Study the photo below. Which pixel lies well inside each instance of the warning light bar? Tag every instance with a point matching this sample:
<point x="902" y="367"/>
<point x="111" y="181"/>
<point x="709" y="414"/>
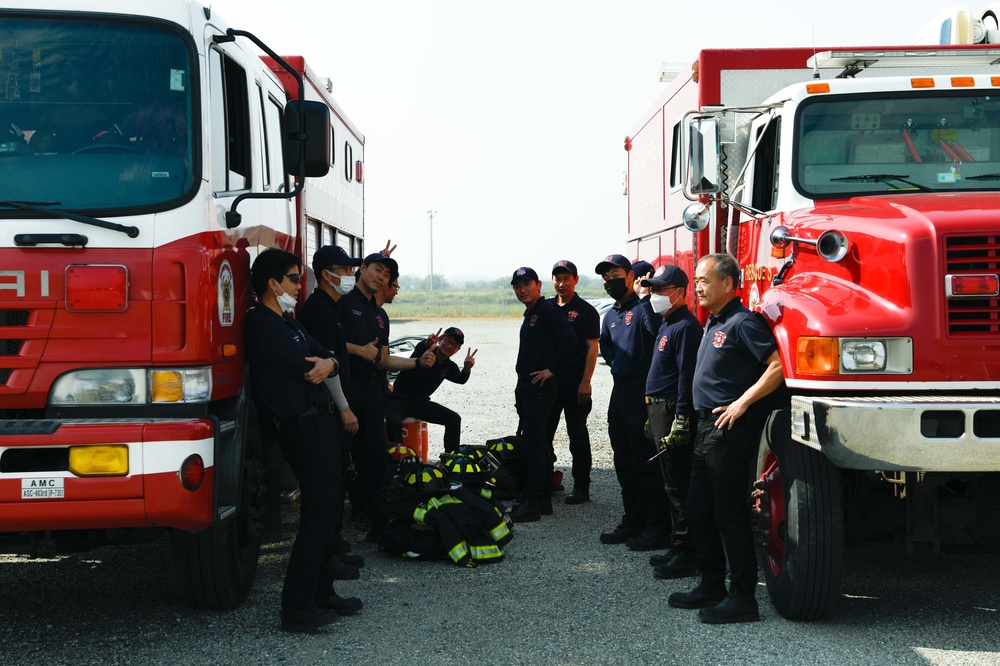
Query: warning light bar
<point x="972" y="286"/>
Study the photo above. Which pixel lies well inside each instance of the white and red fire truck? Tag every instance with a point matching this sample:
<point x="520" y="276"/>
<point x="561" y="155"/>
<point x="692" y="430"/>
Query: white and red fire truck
<point x="148" y="153"/>
<point x="859" y="190"/>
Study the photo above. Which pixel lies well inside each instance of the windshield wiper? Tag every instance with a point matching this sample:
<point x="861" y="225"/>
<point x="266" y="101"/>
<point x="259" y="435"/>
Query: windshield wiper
<point x="880" y="177"/>
<point x="41" y="207"/>
<point x="984" y="176"/>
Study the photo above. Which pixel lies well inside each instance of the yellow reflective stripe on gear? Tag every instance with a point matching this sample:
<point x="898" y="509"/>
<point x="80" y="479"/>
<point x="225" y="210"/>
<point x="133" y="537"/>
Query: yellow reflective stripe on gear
<point x="438" y="502"/>
<point x="419" y="514"/>
<point x="459" y="552"/>
<point x="486" y="552"/>
<point x="486" y="493"/>
<point x="500" y="531"/>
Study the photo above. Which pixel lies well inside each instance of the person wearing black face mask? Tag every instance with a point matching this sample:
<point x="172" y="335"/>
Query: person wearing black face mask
<point x="626" y="343"/>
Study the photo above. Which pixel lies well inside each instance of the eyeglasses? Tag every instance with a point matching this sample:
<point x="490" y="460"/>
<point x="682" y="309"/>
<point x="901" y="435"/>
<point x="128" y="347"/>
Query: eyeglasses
<point x="294" y="277"/>
<point x="394" y="286"/>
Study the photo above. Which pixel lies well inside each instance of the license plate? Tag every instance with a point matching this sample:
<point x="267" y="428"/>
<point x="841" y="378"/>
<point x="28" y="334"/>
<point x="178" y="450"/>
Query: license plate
<point x="42" y="488"/>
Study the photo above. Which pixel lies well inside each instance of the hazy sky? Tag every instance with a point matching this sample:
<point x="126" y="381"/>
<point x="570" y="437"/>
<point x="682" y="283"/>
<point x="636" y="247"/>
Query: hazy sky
<point x="509" y="120"/>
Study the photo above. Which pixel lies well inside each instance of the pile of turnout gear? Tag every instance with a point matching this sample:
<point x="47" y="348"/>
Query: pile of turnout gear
<point x="453" y="509"/>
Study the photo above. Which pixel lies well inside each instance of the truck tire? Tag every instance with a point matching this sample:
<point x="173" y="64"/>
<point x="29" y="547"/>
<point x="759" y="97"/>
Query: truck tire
<point x="798" y="523"/>
<point x="216" y="567"/>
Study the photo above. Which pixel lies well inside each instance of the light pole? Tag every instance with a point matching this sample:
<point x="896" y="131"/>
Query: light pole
<point x="430" y="273"/>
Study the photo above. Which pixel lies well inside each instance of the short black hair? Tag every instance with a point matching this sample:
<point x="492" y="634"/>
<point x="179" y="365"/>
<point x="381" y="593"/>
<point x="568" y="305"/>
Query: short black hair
<point x="271" y="263"/>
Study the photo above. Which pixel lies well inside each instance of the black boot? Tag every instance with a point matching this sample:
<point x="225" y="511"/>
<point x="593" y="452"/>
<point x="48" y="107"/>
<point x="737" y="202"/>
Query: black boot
<point x="580" y="494"/>
<point x="338" y="604"/>
<point x="527" y="511"/>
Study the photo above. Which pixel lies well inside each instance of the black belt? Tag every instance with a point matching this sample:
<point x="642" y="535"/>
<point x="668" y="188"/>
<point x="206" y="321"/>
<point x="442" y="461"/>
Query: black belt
<point x="316" y="409"/>
<point x="703" y="414"/>
<point x="656" y="399"/>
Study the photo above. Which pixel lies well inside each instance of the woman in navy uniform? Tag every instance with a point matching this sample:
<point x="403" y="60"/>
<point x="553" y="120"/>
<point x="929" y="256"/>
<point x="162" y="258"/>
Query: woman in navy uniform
<point x="288" y="368"/>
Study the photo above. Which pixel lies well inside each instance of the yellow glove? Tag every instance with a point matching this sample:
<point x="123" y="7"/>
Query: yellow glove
<point x="680" y="433"/>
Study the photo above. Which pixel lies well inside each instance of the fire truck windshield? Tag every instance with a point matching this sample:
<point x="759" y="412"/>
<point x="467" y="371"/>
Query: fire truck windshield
<point x="898" y="143"/>
<point x="95" y="114"/>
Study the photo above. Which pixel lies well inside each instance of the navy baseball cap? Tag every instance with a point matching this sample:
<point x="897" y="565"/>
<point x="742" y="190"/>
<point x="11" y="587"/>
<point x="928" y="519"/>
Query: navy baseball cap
<point x="379" y="258"/>
<point x="642" y="268"/>
<point x="563" y="266"/>
<point x="452" y="332"/>
<point x="667" y="276"/>
<point x="524" y="273"/>
<point x="612" y="261"/>
<point x="332" y="255"/>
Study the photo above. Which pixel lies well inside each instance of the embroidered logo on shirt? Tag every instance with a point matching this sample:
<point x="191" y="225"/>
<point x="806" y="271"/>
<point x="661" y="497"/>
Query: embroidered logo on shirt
<point x="572" y="315"/>
<point x="663" y="343"/>
<point x="720" y="337"/>
<point x="533" y="320"/>
<point x="378" y="320"/>
<point x="628" y="318"/>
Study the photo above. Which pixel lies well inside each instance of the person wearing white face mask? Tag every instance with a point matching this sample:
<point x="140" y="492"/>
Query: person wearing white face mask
<point x="670" y="408"/>
<point x="334" y="271"/>
<point x="289" y="368"/>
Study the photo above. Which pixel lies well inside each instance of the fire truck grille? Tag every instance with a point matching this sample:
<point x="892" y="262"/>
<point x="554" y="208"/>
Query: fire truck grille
<point x="973" y="254"/>
<point x="4" y="376"/>
<point x="14" y="317"/>
<point x="10" y="347"/>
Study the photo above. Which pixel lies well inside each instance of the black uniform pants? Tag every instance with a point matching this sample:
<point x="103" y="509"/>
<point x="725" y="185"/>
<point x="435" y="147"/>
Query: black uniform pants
<point x="718" y="505"/>
<point x="644" y="500"/>
<point x="576" y="428"/>
<point x="311" y="448"/>
<point x="675" y="465"/>
<point x="368" y="448"/>
<point x="425" y="410"/>
<point x="534" y="405"/>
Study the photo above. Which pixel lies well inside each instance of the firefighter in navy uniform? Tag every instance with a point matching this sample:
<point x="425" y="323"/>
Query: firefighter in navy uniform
<point x="334" y="272"/>
<point x="670" y="408"/>
<point x="574" y="399"/>
<point x="368" y="355"/>
<point x="546" y="350"/>
<point x="738" y="365"/>
<point x="627" y="345"/>
<point x="411" y="395"/>
<point x="289" y="368"/>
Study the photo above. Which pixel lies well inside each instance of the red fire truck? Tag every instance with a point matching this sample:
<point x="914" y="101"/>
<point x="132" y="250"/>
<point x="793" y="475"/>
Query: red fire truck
<point x="858" y="189"/>
<point x="148" y="155"/>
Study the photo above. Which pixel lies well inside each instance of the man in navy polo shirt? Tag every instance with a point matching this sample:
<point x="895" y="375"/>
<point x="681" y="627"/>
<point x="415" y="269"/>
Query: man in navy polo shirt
<point x="738" y="365"/>
<point x="545" y="352"/>
<point x="627" y="345"/>
<point x="411" y="394"/>
<point x="670" y="408"/>
<point x="368" y="354"/>
<point x="574" y="399"/>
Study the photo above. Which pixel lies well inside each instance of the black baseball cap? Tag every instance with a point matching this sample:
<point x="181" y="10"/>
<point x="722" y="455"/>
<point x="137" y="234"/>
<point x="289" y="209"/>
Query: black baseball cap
<point x="452" y="332"/>
<point x="332" y="255"/>
<point x="667" y="276"/>
<point x="612" y="261"/>
<point x="524" y="273"/>
<point x="379" y="258"/>
<point x="642" y="268"/>
<point x="563" y="266"/>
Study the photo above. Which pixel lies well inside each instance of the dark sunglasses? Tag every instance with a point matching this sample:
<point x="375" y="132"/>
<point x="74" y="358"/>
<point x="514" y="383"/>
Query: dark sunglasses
<point x="294" y="277"/>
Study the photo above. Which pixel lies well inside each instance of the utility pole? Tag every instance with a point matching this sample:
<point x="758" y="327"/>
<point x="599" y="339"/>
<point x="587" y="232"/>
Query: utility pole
<point x="430" y="273"/>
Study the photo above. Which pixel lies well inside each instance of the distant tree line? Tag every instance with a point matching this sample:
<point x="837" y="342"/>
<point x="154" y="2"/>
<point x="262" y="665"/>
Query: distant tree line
<point x="419" y="282"/>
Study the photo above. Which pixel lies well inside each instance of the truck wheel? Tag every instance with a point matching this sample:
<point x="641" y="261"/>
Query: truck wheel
<point x="217" y="566"/>
<point x="798" y="523"/>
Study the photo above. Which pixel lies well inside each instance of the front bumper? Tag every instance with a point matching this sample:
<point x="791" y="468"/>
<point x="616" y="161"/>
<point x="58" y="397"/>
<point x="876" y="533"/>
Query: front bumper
<point x="150" y="494"/>
<point x="902" y="433"/>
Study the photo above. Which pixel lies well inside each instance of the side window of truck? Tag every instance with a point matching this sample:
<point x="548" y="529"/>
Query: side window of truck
<point x="230" y="124"/>
<point x="676" y="157"/>
<point x="764" y="194"/>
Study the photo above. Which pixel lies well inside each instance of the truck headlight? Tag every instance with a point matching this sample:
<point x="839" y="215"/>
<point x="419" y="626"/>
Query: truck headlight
<point x="103" y="386"/>
<point x="863" y="355"/>
<point x="180" y="385"/>
<point x="132" y="386"/>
